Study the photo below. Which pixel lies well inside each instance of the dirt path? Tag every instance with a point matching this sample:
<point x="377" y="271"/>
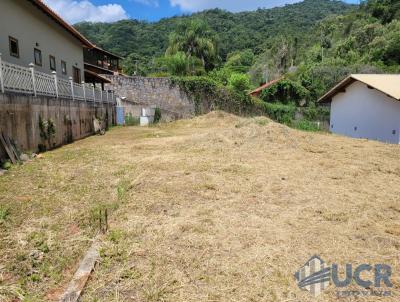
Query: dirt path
<point x="218" y="208"/>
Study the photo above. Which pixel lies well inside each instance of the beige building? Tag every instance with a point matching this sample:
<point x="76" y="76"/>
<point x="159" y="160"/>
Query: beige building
<point x="32" y="33"/>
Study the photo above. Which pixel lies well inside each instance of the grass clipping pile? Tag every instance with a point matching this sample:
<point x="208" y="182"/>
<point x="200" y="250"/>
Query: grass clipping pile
<point x="221" y="208"/>
<point x="217" y="208"/>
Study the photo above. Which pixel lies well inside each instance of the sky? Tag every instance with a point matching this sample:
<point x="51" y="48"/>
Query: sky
<point x="151" y="10"/>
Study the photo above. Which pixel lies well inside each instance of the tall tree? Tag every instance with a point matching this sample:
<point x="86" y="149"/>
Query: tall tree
<point x="195" y="38"/>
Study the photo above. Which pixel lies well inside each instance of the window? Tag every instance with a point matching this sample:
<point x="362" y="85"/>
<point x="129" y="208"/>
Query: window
<point x="38" y="57"/>
<point x="52" y="63"/>
<point x="76" y="75"/>
<point x="14" y="47"/>
<point x="63" y="67"/>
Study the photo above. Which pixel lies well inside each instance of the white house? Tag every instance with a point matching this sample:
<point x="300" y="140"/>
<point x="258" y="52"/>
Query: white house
<point x="366" y="106"/>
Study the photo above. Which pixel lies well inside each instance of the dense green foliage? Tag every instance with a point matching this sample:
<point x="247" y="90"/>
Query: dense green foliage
<point x="194" y="39"/>
<point x="142" y="41"/>
<point x="385" y="10"/>
<point x="285" y="91"/>
<point x="239" y="82"/>
<point x="364" y="40"/>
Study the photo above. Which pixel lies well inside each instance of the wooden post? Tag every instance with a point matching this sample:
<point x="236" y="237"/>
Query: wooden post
<point x="32" y="68"/>
<point x="84" y="90"/>
<point x="106" y="218"/>
<point x="1" y="76"/>
<point x="72" y="87"/>
<point x="55" y="83"/>
<point x="94" y="94"/>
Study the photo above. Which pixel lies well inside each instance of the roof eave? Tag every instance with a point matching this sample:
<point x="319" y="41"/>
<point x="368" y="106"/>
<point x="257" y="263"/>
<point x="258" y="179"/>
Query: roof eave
<point x="108" y="52"/>
<point x="337" y="89"/>
<point x="343" y="84"/>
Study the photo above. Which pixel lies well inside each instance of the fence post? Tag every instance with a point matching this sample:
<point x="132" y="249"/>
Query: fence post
<point x="101" y="95"/>
<point x="32" y="68"/>
<point x="94" y="94"/>
<point x="107" y="96"/>
<point x="55" y="83"/>
<point x="84" y="90"/>
<point x="1" y="76"/>
<point x="71" y="82"/>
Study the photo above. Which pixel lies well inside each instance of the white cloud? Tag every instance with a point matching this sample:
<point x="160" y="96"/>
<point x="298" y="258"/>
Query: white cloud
<point x="153" y="3"/>
<point x="231" y="5"/>
<point x="75" y="11"/>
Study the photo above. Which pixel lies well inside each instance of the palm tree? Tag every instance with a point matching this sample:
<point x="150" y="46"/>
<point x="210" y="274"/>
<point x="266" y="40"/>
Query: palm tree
<point x="195" y="39"/>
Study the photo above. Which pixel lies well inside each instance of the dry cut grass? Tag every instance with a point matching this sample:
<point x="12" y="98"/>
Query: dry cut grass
<point x="218" y="208"/>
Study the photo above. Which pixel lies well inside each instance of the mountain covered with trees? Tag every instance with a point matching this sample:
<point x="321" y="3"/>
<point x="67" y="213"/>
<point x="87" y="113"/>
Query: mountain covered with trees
<point x="141" y="41"/>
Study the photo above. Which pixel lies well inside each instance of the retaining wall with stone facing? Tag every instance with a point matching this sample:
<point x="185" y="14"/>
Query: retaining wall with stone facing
<point x="153" y="92"/>
<point x="20" y="118"/>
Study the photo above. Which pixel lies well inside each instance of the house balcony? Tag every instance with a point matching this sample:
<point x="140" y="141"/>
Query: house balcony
<point x="101" y="61"/>
<point x="26" y="80"/>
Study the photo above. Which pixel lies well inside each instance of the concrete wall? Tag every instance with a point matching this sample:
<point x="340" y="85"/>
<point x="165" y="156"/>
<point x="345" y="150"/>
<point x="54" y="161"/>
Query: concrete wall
<point x="20" y="114"/>
<point x="362" y="112"/>
<point x="33" y="29"/>
<point x="153" y="92"/>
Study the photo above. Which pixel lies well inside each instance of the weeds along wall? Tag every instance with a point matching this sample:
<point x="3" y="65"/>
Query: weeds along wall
<point x="180" y="97"/>
<point x="44" y="122"/>
<point x="185" y="97"/>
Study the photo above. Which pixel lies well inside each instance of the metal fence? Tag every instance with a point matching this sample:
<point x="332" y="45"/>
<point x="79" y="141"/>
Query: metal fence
<point x="15" y="78"/>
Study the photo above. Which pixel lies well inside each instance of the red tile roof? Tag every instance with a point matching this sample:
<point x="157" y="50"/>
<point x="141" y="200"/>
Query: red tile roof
<point x="265" y="86"/>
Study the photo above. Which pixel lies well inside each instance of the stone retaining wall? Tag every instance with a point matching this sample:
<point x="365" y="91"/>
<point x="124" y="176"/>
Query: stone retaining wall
<point x="153" y="92"/>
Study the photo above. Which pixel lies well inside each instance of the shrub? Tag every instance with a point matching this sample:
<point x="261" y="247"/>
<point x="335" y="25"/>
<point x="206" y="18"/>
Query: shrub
<point x="306" y="125"/>
<point x="6" y="165"/>
<point x="281" y="113"/>
<point x="316" y="113"/>
<point x="220" y="76"/>
<point x="131" y="120"/>
<point x="239" y="82"/>
<point x="157" y="115"/>
<point x="4" y="213"/>
<point x="209" y="95"/>
<point x="285" y="91"/>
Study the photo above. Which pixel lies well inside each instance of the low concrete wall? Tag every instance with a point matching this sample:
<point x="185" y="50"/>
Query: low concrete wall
<point x="153" y="92"/>
<point x="20" y="115"/>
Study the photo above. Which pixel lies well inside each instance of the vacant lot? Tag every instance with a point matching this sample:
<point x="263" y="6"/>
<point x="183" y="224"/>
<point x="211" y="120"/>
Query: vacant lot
<point x="218" y="208"/>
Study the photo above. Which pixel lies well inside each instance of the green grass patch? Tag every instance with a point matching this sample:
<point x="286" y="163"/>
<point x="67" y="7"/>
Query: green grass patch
<point x="306" y="125"/>
<point x="4" y="213"/>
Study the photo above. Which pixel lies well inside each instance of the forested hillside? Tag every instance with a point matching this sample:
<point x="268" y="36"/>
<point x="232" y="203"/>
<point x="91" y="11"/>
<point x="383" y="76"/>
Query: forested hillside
<point x="255" y="30"/>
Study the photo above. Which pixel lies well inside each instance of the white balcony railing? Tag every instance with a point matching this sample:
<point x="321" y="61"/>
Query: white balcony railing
<point x="19" y="79"/>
